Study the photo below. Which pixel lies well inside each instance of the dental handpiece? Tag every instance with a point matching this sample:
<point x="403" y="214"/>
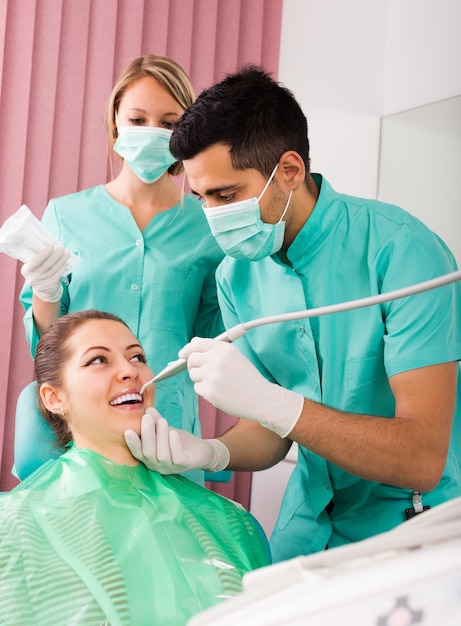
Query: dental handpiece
<point x="230" y="335"/>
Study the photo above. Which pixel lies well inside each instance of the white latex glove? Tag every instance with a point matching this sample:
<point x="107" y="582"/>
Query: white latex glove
<point x="227" y="379"/>
<point x="44" y="272"/>
<point x="169" y="450"/>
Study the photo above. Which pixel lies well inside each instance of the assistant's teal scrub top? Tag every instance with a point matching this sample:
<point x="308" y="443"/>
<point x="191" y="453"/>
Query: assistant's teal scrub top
<point x="349" y="248"/>
<point x="160" y="281"/>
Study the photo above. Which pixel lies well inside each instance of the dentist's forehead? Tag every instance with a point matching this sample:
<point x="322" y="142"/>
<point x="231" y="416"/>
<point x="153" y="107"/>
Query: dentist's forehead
<point x="211" y="171"/>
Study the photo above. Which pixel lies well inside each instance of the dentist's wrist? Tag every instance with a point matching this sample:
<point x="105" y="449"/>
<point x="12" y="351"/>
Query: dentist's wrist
<point x="284" y="410"/>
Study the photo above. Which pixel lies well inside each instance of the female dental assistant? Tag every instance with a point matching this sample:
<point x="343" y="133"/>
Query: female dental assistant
<point x="146" y="249"/>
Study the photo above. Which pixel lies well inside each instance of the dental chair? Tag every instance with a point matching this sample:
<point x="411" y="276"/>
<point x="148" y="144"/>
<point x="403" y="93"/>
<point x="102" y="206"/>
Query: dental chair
<point x="34" y="439"/>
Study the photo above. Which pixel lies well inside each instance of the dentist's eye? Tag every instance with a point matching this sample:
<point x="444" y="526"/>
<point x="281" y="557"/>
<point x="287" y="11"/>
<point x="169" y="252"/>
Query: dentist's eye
<point x="196" y="195"/>
<point x="228" y="197"/>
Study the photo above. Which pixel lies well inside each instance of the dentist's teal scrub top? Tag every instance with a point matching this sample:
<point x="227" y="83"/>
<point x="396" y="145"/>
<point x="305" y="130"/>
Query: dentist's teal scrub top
<point x="160" y="281"/>
<point x="349" y="248"/>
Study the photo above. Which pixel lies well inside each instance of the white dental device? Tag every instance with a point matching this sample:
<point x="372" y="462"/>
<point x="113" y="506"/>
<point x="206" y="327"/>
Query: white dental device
<point x="178" y="366"/>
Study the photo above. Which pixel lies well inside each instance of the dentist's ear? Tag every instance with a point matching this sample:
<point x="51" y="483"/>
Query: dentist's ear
<point x="291" y="169"/>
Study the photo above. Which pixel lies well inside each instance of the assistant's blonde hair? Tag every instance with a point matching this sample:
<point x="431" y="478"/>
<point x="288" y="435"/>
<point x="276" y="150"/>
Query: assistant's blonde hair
<point x="167" y="72"/>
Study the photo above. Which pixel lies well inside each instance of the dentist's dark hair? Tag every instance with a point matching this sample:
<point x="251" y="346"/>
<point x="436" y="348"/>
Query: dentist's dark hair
<point x="51" y="355"/>
<point x="248" y="111"/>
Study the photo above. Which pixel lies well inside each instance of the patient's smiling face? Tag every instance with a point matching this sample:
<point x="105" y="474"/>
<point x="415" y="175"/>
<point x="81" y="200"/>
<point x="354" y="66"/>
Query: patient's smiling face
<point x="101" y="378"/>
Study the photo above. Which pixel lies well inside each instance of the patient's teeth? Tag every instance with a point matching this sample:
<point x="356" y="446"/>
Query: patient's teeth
<point x="127" y="397"/>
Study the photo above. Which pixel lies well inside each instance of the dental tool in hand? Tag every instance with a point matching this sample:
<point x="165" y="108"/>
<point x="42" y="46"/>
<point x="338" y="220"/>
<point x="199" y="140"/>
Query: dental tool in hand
<point x="230" y="335"/>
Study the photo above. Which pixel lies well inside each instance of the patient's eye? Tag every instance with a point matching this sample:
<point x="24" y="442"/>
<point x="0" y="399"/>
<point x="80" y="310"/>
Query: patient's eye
<point x="96" y="360"/>
<point x="140" y="358"/>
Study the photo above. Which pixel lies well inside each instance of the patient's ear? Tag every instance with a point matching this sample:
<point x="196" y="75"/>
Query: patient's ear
<point x="51" y="398"/>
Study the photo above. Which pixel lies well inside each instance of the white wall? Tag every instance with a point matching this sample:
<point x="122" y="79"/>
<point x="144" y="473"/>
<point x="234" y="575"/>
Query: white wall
<point x="423" y="53"/>
<point x="333" y="58"/>
<point x="349" y="63"/>
<point x="420" y="166"/>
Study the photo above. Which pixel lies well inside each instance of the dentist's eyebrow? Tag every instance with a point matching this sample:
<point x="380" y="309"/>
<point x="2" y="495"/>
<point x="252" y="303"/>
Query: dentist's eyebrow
<point x="215" y="190"/>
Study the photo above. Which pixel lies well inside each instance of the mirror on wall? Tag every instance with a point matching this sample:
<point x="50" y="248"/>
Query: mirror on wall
<point x="420" y="166"/>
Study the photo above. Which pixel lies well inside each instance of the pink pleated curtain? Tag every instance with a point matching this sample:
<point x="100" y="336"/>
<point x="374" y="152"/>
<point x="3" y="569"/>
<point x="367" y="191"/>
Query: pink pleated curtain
<point x="58" y="62"/>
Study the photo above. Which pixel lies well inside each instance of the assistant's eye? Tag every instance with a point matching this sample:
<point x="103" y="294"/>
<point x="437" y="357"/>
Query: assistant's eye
<point x="169" y="125"/>
<point x="136" y="121"/>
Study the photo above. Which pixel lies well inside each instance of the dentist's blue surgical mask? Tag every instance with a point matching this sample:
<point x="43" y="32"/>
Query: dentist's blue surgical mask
<point x="146" y="149"/>
<point x="240" y="232"/>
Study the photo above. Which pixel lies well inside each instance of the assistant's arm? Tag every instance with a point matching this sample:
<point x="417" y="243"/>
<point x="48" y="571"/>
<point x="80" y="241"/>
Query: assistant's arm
<point x="209" y="321"/>
<point x="44" y="313"/>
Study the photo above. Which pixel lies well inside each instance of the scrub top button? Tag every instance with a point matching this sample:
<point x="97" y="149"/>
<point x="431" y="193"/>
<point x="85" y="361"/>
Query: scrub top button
<point x="138" y="242"/>
<point x="134" y="287"/>
<point x="315" y="386"/>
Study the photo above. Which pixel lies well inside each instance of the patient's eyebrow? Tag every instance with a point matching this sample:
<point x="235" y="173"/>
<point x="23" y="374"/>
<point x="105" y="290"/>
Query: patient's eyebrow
<point x="106" y="349"/>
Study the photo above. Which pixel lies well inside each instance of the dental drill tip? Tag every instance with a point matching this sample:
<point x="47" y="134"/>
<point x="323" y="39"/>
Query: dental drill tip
<point x="144" y="387"/>
<point x="173" y="368"/>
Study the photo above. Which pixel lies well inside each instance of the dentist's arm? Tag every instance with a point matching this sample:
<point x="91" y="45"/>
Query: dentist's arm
<point x="408" y="450"/>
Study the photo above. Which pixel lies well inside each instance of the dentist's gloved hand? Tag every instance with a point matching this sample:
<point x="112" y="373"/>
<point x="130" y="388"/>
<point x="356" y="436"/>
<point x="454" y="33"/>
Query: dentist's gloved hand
<point x="227" y="379"/>
<point x="169" y="450"/>
<point x="44" y="272"/>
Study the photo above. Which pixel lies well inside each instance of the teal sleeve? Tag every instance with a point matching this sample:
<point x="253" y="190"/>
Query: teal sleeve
<point x="231" y="319"/>
<point x="423" y="329"/>
<point x="209" y="322"/>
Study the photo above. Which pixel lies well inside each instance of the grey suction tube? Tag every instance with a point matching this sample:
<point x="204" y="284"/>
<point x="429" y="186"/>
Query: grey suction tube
<point x="175" y="367"/>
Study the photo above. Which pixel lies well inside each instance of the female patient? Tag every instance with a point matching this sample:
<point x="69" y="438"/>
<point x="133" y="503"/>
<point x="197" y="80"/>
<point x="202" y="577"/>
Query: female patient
<point x="94" y="537"/>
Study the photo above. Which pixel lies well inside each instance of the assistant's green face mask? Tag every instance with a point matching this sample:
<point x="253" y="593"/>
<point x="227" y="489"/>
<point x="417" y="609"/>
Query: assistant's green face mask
<point x="146" y="149"/>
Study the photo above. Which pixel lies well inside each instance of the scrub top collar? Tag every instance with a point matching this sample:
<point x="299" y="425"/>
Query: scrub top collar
<point x="316" y="229"/>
